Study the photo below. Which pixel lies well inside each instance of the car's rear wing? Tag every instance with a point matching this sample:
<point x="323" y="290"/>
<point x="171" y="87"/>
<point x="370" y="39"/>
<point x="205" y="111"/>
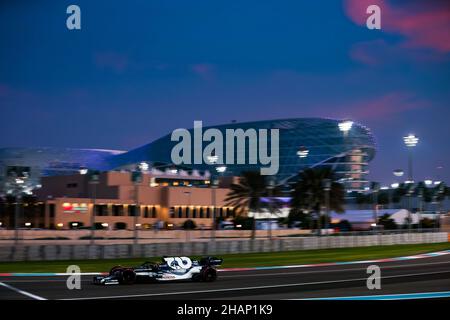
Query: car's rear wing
<point x="211" y="261"/>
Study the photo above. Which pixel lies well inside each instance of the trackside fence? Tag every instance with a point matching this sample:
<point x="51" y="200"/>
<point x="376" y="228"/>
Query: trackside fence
<point x="114" y="251"/>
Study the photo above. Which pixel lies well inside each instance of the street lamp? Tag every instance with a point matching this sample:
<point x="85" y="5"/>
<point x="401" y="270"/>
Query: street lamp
<point x="94" y="181"/>
<point x="420" y="195"/>
<point x="136" y="178"/>
<point x="409" y="194"/>
<point x="375" y="189"/>
<point x="18" y="180"/>
<point x="189" y="194"/>
<point x="18" y="192"/>
<point x="439" y="199"/>
<point x="220" y="170"/>
<point x="270" y="187"/>
<point x="410" y="141"/>
<point x="214" y="186"/>
<point x="327" y="188"/>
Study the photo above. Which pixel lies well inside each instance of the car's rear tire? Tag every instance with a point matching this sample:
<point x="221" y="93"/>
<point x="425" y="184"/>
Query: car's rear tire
<point x="208" y="274"/>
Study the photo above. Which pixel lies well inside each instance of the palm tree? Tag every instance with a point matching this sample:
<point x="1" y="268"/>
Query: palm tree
<point x="309" y="194"/>
<point x="246" y="195"/>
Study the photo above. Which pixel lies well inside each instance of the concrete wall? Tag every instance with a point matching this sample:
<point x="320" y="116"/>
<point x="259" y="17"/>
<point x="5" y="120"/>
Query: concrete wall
<point x="143" y="234"/>
<point x="66" y="252"/>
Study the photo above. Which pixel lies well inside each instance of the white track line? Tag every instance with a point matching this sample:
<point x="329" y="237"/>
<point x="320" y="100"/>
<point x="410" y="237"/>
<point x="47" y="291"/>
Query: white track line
<point x="245" y="288"/>
<point x="333" y="270"/>
<point x="255" y="275"/>
<point x="250" y="275"/>
<point x="30" y="295"/>
<point x="387" y="296"/>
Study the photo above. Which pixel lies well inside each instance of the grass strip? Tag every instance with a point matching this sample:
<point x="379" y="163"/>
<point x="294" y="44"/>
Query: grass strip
<point x="240" y="260"/>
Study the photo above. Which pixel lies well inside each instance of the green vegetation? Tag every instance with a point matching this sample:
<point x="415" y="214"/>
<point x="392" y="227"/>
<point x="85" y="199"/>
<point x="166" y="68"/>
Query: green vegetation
<point x="246" y="195"/>
<point x="242" y="260"/>
<point x="316" y="188"/>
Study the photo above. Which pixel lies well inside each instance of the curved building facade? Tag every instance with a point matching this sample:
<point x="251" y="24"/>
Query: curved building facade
<point x="303" y="143"/>
<point x="322" y="141"/>
<point x="36" y="162"/>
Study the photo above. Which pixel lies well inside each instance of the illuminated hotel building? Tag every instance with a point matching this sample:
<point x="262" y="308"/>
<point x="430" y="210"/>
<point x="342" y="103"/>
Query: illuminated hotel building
<point x="345" y="146"/>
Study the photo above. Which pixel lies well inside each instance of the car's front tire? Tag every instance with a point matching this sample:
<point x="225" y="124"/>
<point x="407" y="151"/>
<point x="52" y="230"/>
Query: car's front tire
<point x="126" y="276"/>
<point x="197" y="277"/>
<point x="115" y="269"/>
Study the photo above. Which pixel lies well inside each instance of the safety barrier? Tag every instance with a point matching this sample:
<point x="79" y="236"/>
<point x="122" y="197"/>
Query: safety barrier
<point x="114" y="251"/>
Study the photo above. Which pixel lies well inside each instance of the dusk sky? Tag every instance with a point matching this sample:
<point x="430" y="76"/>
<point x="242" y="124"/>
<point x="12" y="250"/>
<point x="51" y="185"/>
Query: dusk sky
<point x="139" y="69"/>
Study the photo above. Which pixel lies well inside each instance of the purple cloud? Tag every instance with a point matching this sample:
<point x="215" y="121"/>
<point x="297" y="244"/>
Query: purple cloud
<point x="111" y="61"/>
<point x="204" y="70"/>
<point x="383" y="107"/>
<point x="424" y="24"/>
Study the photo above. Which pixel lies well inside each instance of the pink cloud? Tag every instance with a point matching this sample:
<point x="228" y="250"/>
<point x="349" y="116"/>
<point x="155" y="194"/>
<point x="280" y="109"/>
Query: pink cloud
<point x="204" y="70"/>
<point x="378" y="52"/>
<point x="111" y="60"/>
<point x="367" y="52"/>
<point x="5" y="90"/>
<point x="423" y="26"/>
<point x="387" y="105"/>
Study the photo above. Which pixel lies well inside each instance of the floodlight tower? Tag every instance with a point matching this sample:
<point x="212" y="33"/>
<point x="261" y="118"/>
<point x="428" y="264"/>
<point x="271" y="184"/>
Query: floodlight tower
<point x="410" y="141"/>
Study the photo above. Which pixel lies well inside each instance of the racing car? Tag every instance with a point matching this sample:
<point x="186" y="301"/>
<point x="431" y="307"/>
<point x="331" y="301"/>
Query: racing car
<point x="170" y="268"/>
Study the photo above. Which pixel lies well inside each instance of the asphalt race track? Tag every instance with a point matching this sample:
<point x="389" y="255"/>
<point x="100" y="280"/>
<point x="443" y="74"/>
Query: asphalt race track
<point x="399" y="277"/>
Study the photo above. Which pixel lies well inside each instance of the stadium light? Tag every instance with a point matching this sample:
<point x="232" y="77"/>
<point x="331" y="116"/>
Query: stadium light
<point x="345" y="126"/>
<point x="428" y="182"/>
<point x="221" y="169"/>
<point x="143" y="166"/>
<point x="214" y="185"/>
<point x="395" y="185"/>
<point x="303" y="152"/>
<point x="212" y="159"/>
<point x="398" y="173"/>
<point x="410" y="141"/>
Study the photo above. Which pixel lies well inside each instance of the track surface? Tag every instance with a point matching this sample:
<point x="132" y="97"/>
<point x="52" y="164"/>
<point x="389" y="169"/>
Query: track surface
<point x="400" y="277"/>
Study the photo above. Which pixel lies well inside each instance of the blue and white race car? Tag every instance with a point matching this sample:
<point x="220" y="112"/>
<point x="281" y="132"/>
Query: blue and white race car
<point x="171" y="268"/>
